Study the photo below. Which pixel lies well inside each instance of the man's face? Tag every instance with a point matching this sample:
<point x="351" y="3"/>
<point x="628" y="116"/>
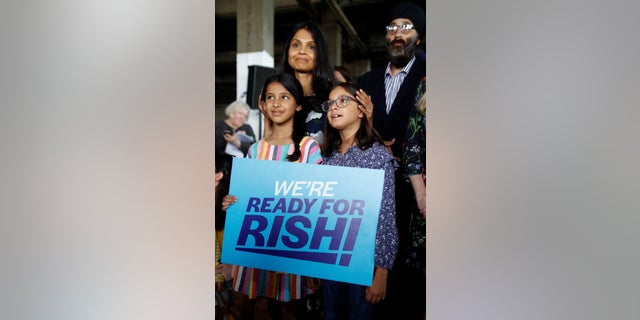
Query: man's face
<point x="401" y="44"/>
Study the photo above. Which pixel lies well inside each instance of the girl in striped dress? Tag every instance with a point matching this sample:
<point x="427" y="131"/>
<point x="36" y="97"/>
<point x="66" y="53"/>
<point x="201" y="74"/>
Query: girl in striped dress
<point x="287" y="141"/>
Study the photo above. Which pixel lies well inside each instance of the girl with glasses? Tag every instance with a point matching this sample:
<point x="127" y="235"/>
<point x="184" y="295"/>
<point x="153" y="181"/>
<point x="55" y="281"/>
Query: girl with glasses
<point x="351" y="141"/>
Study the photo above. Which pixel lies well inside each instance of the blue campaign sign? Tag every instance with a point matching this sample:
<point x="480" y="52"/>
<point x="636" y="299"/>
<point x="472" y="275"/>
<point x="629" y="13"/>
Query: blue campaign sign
<point x="307" y="219"/>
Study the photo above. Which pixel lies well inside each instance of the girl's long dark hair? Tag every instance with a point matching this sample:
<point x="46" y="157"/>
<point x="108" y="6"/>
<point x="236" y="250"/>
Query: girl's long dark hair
<point x="365" y="137"/>
<point x="294" y="87"/>
<point x="323" y="78"/>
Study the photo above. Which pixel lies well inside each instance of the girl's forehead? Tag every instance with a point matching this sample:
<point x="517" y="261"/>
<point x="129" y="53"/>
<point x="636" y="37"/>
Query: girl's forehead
<point x="276" y="87"/>
<point x="338" y="91"/>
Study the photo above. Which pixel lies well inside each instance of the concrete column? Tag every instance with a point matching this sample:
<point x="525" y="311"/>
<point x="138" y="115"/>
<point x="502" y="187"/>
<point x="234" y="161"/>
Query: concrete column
<point x="359" y="67"/>
<point x="333" y="32"/>
<point x="255" y="38"/>
<point x="255" y="47"/>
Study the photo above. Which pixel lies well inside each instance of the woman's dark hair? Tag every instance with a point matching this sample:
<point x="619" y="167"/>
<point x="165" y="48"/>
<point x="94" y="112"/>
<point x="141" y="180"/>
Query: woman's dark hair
<point x="223" y="164"/>
<point x="294" y="87"/>
<point x="323" y="71"/>
<point x="365" y="137"/>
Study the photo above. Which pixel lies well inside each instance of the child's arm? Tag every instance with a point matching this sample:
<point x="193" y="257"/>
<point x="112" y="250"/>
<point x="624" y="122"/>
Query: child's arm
<point x="228" y="200"/>
<point x="378" y="289"/>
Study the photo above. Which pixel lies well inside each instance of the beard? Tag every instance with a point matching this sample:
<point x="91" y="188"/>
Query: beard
<point x="400" y="56"/>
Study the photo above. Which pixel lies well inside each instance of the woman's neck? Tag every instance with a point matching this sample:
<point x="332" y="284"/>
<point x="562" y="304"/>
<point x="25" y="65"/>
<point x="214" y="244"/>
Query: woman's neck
<point x="306" y="80"/>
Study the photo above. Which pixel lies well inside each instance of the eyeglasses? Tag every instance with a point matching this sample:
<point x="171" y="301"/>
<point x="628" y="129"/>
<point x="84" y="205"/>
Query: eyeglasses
<point x="341" y="102"/>
<point x="404" y="28"/>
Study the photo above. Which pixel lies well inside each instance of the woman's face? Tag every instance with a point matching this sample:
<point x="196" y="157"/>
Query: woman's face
<point x="238" y="118"/>
<point x="279" y="104"/>
<point x="302" y="51"/>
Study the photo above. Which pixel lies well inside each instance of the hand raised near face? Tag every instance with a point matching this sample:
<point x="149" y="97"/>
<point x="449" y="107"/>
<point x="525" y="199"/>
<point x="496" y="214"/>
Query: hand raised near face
<point x="365" y="104"/>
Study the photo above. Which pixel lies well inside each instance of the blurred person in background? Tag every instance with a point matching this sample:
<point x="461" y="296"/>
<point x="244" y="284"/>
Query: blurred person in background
<point x="415" y="170"/>
<point x="229" y="304"/>
<point x="233" y="136"/>
<point x="342" y="74"/>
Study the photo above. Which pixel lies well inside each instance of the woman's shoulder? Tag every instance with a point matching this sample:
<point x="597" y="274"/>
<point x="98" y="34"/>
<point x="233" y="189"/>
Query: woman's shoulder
<point x="221" y="124"/>
<point x="246" y="127"/>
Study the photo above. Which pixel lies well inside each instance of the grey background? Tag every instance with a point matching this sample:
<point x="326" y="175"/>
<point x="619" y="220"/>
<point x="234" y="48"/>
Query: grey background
<point x="533" y="160"/>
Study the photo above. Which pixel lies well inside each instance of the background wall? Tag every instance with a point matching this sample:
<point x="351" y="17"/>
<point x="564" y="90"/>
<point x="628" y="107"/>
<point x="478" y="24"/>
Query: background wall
<point x="533" y="160"/>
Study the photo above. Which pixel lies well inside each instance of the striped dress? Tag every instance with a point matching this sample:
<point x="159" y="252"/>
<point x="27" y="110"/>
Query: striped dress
<point x="263" y="283"/>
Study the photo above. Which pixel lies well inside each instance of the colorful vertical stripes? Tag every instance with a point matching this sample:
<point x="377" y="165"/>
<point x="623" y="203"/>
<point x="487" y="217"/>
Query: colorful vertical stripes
<point x="264" y="283"/>
<point x="309" y="149"/>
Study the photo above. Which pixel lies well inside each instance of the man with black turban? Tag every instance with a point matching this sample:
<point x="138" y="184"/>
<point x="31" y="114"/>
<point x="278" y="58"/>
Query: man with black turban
<point x="393" y="93"/>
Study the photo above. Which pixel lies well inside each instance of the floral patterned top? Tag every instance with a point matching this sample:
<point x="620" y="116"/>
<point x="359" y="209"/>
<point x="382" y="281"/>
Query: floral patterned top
<point x="377" y="157"/>
<point x="414" y="157"/>
<point x="415" y="146"/>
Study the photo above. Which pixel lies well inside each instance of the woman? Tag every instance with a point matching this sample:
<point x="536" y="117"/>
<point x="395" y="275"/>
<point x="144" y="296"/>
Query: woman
<point x="414" y="157"/>
<point x="233" y="136"/>
<point x="307" y="58"/>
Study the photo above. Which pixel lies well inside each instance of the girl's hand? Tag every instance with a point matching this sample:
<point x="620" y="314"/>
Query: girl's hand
<point x="378" y="289"/>
<point x="366" y="106"/>
<point x="228" y="200"/>
<point x="224" y="270"/>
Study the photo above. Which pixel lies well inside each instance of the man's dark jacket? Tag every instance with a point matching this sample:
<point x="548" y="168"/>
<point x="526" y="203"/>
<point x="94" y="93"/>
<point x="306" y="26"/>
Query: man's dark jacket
<point x="393" y="125"/>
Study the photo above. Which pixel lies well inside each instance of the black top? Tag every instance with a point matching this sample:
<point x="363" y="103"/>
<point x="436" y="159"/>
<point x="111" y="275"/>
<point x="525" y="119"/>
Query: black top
<point x="394" y="124"/>
<point x="245" y="130"/>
